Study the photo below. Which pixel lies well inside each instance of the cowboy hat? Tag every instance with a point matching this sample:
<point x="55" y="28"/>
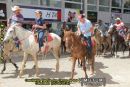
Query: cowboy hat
<point x="15" y="8"/>
<point x="117" y="19"/>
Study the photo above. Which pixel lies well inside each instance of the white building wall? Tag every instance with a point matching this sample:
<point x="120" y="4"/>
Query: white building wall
<point x="104" y="16"/>
<point x="126" y="18"/>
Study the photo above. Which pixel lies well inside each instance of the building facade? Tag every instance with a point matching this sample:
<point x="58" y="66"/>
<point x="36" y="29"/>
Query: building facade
<point x="59" y="10"/>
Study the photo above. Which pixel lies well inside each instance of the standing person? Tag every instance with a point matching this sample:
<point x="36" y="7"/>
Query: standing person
<point x="40" y="27"/>
<point x="17" y="17"/>
<point x="84" y="28"/>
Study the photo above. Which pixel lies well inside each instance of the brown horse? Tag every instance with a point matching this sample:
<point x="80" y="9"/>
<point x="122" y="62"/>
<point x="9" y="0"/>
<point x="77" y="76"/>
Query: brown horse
<point x="103" y="43"/>
<point x="78" y="50"/>
<point x="117" y="40"/>
<point x="6" y="51"/>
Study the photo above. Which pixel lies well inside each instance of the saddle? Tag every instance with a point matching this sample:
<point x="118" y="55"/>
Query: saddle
<point x="85" y="42"/>
<point x="47" y="38"/>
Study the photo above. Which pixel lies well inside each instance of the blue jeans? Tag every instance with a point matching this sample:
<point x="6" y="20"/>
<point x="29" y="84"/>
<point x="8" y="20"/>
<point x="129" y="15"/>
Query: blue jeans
<point x="89" y="42"/>
<point x="40" y="38"/>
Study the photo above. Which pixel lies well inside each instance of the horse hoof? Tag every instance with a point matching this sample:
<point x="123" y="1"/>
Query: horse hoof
<point x="36" y="76"/>
<point x="115" y="56"/>
<point x="20" y="76"/>
<point x="57" y="71"/>
<point x="2" y="72"/>
<point x="34" y="67"/>
<point x="70" y="78"/>
<point x="17" y="69"/>
<point x="79" y="66"/>
<point x="86" y="76"/>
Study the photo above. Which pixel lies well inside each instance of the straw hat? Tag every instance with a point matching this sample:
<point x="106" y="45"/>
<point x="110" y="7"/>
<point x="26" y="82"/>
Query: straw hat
<point x="38" y="11"/>
<point x="15" y="8"/>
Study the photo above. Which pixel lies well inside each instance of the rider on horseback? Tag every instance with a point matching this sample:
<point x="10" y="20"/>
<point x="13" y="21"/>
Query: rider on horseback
<point x="84" y="29"/>
<point x="40" y="27"/>
<point x="102" y="28"/>
<point x="16" y="18"/>
<point x="120" y="27"/>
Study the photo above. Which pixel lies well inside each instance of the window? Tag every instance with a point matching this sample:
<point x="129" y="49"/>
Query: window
<point x="104" y="5"/>
<point x="92" y="2"/>
<point x="127" y="4"/>
<point x="2" y="0"/>
<point x="72" y="5"/>
<point x="26" y="2"/>
<point x="116" y="3"/>
<point x="92" y="8"/>
<point x="101" y="8"/>
<point x="51" y="3"/>
<point x="104" y="2"/>
<point x="92" y="5"/>
<point x="74" y="0"/>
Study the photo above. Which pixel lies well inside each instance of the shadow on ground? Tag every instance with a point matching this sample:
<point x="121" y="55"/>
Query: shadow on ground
<point x="100" y="74"/>
<point x="44" y="73"/>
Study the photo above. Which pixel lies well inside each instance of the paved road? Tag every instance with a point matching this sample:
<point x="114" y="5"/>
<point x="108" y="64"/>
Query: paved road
<point x="115" y="70"/>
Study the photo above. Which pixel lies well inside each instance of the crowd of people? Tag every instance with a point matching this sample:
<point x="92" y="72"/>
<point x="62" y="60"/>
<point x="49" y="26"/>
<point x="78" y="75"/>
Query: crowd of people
<point x="84" y="25"/>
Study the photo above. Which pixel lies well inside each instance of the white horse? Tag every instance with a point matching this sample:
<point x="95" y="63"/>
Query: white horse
<point x="30" y="46"/>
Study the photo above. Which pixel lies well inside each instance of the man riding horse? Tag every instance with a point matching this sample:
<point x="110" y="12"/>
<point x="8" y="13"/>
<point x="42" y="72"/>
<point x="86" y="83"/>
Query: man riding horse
<point x="120" y="27"/>
<point x="17" y="17"/>
<point x="84" y="29"/>
<point x="102" y="28"/>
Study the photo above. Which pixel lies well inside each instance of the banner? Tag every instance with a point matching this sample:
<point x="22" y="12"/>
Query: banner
<point x="48" y="14"/>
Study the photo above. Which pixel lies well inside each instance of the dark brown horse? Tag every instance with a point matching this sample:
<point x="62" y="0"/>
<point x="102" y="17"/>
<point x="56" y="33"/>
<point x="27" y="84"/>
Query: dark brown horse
<point x="6" y="51"/>
<point x="103" y="43"/>
<point x="78" y="50"/>
<point x="117" y="40"/>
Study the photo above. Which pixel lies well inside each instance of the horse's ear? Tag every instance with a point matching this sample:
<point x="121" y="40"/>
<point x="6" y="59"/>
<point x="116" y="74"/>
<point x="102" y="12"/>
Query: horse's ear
<point x="64" y="31"/>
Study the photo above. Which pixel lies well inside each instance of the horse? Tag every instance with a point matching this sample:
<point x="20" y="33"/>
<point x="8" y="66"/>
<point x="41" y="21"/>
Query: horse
<point x="128" y="41"/>
<point x="117" y="40"/>
<point x="30" y="46"/>
<point x="102" y="42"/>
<point x="6" y="50"/>
<point x="78" y="50"/>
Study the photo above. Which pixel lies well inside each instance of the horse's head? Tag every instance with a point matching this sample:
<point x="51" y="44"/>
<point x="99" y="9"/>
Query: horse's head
<point x="68" y="38"/>
<point x="10" y="33"/>
<point x="96" y="30"/>
<point x="112" y="29"/>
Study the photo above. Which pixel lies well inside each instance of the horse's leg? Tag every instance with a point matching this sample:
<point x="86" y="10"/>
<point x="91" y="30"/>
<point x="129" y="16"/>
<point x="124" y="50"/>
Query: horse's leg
<point x="124" y="48"/>
<point x="73" y="67"/>
<point x="15" y="65"/>
<point x="36" y="64"/>
<point x="84" y="67"/>
<point x="104" y="48"/>
<point x="129" y="51"/>
<point x="91" y="63"/>
<point x="79" y="63"/>
<point x="113" y="49"/>
<point x="56" y="53"/>
<point x="23" y="64"/>
<point x="4" y="68"/>
<point x="64" y="47"/>
<point x="116" y="49"/>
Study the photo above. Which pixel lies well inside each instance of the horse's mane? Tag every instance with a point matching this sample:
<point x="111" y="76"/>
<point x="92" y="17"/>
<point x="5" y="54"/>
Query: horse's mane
<point x="25" y="30"/>
<point x="76" y="38"/>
